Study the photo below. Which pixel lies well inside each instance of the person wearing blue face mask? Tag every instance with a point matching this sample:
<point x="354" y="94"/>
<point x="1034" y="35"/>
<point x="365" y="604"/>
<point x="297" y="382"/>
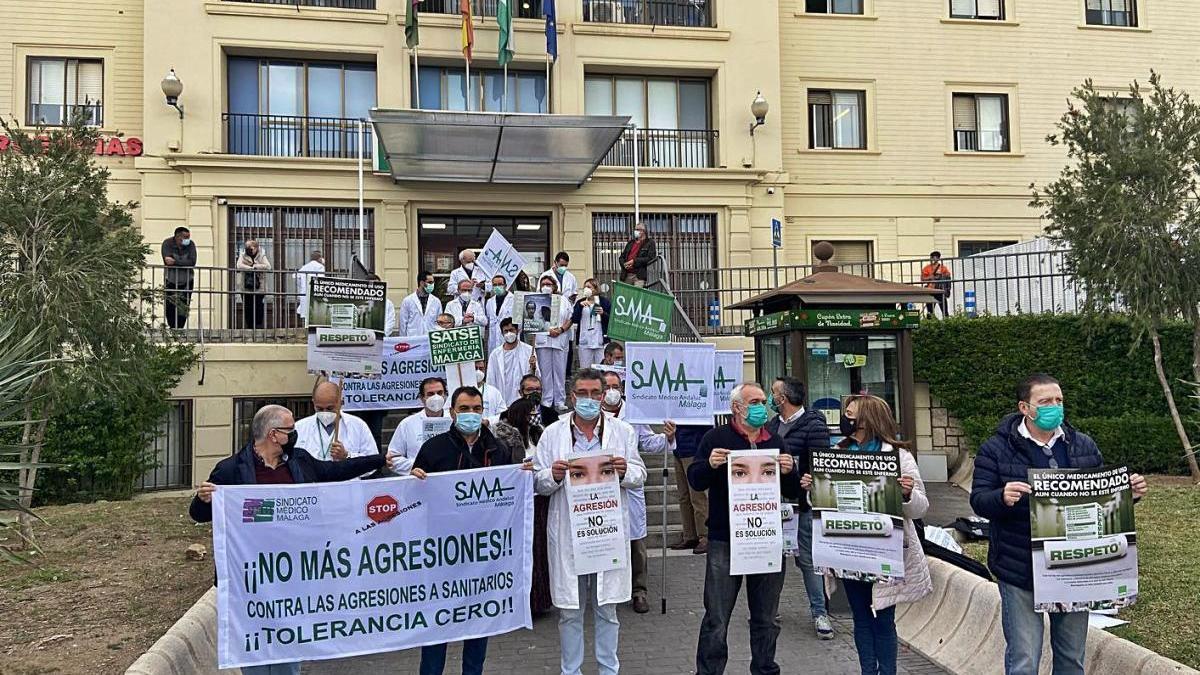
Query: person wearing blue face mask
<point x="467" y="445"/>
<point x="1035" y="437"/>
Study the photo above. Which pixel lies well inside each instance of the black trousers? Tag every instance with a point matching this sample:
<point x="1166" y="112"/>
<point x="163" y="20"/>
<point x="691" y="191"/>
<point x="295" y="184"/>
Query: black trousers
<point x="178" y="299"/>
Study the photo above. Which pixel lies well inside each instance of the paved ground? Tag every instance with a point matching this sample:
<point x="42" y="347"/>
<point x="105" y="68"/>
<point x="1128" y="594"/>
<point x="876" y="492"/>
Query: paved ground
<point x="659" y="644"/>
<point x="946" y="502"/>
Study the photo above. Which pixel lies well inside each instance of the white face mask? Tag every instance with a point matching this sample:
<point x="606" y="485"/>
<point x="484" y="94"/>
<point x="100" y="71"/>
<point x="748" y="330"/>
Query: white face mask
<point x="479" y="376"/>
<point x="468" y="266"/>
<point x="547" y="289"/>
<point x="434" y="403"/>
<point x="326" y="417"/>
<point x="586" y="292"/>
<point x="638" y="234"/>
<point x="510" y="337"/>
<point x="465" y="296"/>
<point x="612" y="398"/>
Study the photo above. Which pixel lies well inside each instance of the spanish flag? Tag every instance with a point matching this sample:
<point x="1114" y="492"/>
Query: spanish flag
<point x="468" y="30"/>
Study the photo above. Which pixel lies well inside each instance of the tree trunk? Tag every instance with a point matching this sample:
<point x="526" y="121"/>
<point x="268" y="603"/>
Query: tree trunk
<point x="1175" y="417"/>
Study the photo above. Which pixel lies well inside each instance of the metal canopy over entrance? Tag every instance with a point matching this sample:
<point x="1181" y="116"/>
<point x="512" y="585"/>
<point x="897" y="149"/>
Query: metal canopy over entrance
<point x="476" y="147"/>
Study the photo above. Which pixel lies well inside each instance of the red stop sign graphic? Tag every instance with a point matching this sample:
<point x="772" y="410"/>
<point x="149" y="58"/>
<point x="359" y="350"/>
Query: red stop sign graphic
<point x="382" y="508"/>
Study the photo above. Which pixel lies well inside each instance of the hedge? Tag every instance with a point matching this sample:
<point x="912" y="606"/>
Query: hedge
<point x="1111" y="391"/>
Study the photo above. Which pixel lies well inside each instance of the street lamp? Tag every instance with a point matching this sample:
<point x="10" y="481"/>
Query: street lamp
<point x="172" y="87"/>
<point x="759" y="109"/>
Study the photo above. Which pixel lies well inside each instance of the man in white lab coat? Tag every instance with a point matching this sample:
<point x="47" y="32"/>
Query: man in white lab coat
<point x="466" y="309"/>
<point x="551" y="348"/>
<point x="509" y="363"/>
<point x="648" y="443"/>
<point x="315" y="267"/>
<point x="566" y="282"/>
<point x="470" y="271"/>
<point x="413" y="430"/>
<point x="585" y="430"/>
<point x="496" y="307"/>
<point x="419" y="310"/>
<point x="494" y="402"/>
<point x="389" y="311"/>
<point x="315" y="432"/>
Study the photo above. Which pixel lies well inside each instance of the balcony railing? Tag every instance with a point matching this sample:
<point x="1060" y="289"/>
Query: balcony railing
<point x="287" y="136"/>
<point x="335" y="4"/>
<point x="696" y="13"/>
<point x="522" y="9"/>
<point x="58" y="114"/>
<point x="669" y="148"/>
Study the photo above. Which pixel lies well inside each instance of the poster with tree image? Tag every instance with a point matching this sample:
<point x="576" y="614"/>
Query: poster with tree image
<point x="858" y="517"/>
<point x="345" y="326"/>
<point x="1084" y="540"/>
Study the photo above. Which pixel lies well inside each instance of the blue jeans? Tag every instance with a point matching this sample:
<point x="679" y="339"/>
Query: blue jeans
<point x="874" y="631"/>
<point x="1023" y="630"/>
<point x="720" y="595"/>
<point x="273" y="669"/>
<point x="433" y="657"/>
<point x="570" y="632"/>
<point x="814" y="584"/>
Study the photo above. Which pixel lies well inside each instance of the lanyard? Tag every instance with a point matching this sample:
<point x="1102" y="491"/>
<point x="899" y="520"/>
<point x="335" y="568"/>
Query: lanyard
<point x="321" y="440"/>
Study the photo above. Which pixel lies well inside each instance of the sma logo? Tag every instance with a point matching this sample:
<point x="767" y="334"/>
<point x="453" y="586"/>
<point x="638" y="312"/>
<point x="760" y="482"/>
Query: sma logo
<point x="481" y="488"/>
<point x="638" y="311"/>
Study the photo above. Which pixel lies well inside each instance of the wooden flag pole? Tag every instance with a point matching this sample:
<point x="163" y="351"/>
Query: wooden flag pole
<point x="337" y="420"/>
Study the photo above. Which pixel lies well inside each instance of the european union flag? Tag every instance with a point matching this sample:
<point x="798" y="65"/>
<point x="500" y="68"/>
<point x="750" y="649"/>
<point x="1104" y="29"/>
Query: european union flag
<point x="551" y="28"/>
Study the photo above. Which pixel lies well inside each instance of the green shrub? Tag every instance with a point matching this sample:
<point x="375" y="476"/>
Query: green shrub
<point x="973" y="367"/>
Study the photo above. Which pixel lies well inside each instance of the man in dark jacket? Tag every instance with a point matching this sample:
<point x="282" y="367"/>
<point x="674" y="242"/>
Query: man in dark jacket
<point x="1034" y="438"/>
<point x="639" y="252"/>
<point x="179" y="256"/>
<point x="468" y="445"/>
<point x="801" y="432"/>
<point x="745" y="431"/>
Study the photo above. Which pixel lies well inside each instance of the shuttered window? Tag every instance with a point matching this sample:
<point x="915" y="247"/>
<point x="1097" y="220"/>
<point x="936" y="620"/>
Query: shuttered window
<point x="837" y="120"/>
<point x="980" y="123"/>
<point x="851" y="256"/>
<point x="59" y="88"/>
<point x="1112" y="13"/>
<point x="990" y="10"/>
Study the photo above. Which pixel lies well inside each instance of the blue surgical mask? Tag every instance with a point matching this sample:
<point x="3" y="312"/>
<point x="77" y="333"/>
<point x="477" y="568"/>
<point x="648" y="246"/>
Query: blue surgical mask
<point x="562" y="269"/>
<point x="756" y="415"/>
<point x="1049" y="417"/>
<point x="468" y="422"/>
<point x="587" y="408"/>
<point x="186" y="241"/>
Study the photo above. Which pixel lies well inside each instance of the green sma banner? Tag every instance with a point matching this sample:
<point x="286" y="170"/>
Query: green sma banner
<point x="639" y="315"/>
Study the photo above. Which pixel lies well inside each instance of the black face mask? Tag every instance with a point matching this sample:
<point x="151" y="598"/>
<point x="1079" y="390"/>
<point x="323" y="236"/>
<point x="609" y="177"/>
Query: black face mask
<point x="535" y="396"/>
<point x="291" y="441"/>
<point x="848" y="425"/>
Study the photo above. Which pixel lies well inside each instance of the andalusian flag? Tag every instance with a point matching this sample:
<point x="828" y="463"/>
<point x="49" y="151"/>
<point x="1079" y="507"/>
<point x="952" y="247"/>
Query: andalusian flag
<point x="412" y="33"/>
<point x="468" y="30"/>
<point x="504" y="20"/>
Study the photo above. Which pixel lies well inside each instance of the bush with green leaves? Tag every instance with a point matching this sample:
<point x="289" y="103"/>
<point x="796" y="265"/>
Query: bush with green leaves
<point x="973" y="367"/>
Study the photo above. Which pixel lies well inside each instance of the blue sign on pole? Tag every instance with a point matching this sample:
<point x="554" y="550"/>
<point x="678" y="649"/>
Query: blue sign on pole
<point x="776" y="233"/>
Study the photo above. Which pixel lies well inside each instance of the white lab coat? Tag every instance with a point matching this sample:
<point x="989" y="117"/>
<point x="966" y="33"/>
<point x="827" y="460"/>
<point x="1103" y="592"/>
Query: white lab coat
<point x="353" y="433"/>
<point x="649" y="443"/>
<point x="506" y="368"/>
<point x="569" y="286"/>
<point x="459" y="274"/>
<point x="494" y="316"/>
<point x="493" y="402"/>
<point x="455" y="309"/>
<point x="407" y="440"/>
<point x="415" y="322"/>
<point x="389" y="319"/>
<point x="617" y="438"/>
<point x="312" y="268"/>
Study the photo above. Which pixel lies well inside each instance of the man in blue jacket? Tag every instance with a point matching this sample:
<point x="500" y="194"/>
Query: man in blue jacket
<point x="1033" y="438"/>
<point x="801" y="431"/>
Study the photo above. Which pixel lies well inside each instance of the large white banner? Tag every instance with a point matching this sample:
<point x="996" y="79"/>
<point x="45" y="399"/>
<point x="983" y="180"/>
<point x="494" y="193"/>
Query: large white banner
<point x="755" y="523"/>
<point x="500" y="257"/>
<point x="598" y="541"/>
<point x="669" y="381"/>
<point x="405" y="363"/>
<point x="343" y="351"/>
<point x="727" y="372"/>
<point x="321" y="571"/>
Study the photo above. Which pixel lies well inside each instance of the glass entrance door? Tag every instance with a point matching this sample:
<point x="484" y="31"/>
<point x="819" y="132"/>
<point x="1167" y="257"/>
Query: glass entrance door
<point x="443" y="236"/>
<point x="842" y="364"/>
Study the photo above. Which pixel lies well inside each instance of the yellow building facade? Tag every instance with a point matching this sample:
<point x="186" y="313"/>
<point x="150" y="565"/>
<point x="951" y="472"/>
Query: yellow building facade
<point x="895" y="129"/>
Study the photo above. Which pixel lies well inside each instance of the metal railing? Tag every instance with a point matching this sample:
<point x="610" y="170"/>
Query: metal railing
<point x="522" y="9"/>
<point x="670" y="148"/>
<point x="650" y="12"/>
<point x="335" y="4"/>
<point x="290" y="136"/>
<point x="58" y="114"/>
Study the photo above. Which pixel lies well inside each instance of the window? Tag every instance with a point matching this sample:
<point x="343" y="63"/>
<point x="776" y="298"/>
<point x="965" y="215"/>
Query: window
<point x="445" y="89"/>
<point x="244" y="409"/>
<point x="833" y="6"/>
<point x="59" y="88"/>
<point x="1111" y="13"/>
<point x="991" y="10"/>
<point x="649" y="12"/>
<point x="981" y="123"/>
<point x="284" y="108"/>
<point x="171" y="450"/>
<point x="837" y="120"/>
<point x="672" y="116"/>
<point x="970" y="248"/>
<point x="851" y="257"/>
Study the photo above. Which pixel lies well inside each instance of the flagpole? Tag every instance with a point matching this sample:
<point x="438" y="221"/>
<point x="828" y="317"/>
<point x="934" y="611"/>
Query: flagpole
<point x="504" y="99"/>
<point x="361" y="211"/>
<point x="637" y="196"/>
<point x="417" y="76"/>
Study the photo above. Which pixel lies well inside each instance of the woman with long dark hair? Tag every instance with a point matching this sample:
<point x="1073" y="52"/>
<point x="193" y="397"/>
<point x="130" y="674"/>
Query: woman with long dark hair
<point x="516" y="429"/>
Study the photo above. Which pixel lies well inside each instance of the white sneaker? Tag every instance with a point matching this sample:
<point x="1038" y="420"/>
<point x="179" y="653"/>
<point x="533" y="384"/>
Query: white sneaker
<point x="824" y="627"/>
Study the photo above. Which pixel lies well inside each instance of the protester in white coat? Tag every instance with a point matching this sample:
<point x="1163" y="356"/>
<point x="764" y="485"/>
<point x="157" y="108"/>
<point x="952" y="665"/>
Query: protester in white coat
<point x="510" y="362"/>
<point x="496" y="308"/>
<point x="419" y="310"/>
<point x="466" y="309"/>
<point x="315" y="267"/>
<point x="566" y="282"/>
<point x="552" y="352"/>
<point x="470" y="271"/>
<point x="649" y="443"/>
<point x="585" y="430"/>
<point x="315" y="432"/>
<point x="411" y="434"/>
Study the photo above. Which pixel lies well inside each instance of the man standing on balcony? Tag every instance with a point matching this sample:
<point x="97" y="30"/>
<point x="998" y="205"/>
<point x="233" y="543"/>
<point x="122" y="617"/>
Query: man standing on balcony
<point x="315" y="267"/>
<point x="419" y="310"/>
<point x="179" y="255"/>
<point x="254" y="284"/>
<point x="937" y="276"/>
<point x="636" y="258"/>
<point x="467" y="271"/>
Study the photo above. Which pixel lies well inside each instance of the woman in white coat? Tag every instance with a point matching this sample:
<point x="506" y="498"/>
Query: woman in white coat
<point x="585" y="430"/>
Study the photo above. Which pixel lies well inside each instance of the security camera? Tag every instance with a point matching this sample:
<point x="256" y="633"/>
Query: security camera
<point x="770" y="190"/>
<point x="221" y="201"/>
